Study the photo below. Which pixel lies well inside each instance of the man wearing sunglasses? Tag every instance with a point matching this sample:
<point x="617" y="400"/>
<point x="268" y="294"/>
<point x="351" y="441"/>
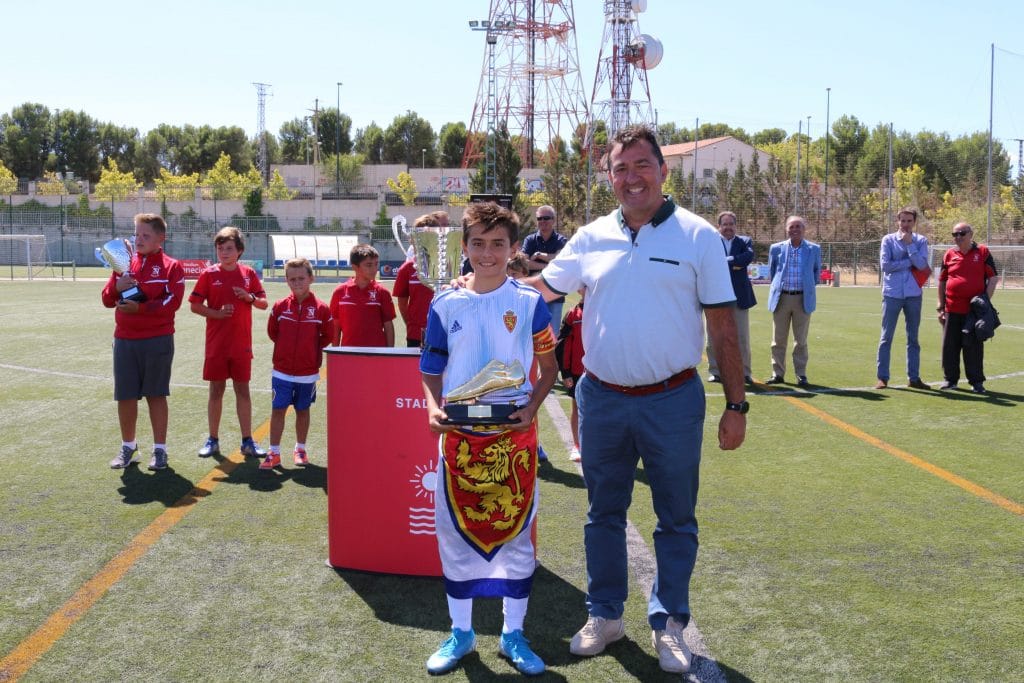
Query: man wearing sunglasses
<point x="542" y="247"/>
<point x="967" y="271"/>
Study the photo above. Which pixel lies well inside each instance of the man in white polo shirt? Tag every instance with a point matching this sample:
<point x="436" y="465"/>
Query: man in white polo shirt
<point x="650" y="269"/>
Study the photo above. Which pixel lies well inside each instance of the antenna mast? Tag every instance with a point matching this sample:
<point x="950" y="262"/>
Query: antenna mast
<point x="261" y="130"/>
<point x="530" y="81"/>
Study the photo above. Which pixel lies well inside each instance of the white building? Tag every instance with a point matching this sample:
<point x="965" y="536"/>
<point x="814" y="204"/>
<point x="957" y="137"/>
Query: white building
<point x="712" y="155"/>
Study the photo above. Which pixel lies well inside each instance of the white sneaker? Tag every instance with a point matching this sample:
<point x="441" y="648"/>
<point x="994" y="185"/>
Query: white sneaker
<point x="574" y="454"/>
<point x="596" y="635"/>
<point x="673" y="654"/>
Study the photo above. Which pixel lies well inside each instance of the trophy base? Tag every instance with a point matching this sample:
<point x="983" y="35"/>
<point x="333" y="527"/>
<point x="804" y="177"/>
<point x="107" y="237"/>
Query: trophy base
<point x="133" y="294"/>
<point x="472" y="414"/>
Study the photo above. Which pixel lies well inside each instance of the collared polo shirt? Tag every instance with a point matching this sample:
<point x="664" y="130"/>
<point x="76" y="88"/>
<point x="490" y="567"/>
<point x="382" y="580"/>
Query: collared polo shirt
<point x="965" y="276"/>
<point x="644" y="295"/>
<point x="360" y="314"/>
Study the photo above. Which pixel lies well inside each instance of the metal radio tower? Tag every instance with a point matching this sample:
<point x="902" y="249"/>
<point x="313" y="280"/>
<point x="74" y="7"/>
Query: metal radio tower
<point x="621" y="92"/>
<point x="261" y="129"/>
<point x="530" y="82"/>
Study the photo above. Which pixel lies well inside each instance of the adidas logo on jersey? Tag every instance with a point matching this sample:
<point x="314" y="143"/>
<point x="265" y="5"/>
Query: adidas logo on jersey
<point x="455" y="327"/>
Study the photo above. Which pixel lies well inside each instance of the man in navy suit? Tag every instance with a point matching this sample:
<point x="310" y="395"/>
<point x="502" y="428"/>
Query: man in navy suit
<point x="794" y="266"/>
<point x="739" y="252"/>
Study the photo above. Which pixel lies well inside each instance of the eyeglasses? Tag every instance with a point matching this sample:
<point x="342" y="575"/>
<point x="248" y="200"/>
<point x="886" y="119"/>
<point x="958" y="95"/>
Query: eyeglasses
<point x="960" y="233"/>
<point x="545" y="218"/>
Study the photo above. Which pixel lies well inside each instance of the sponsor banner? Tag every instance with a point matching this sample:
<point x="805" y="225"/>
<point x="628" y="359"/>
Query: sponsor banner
<point x="193" y="267"/>
<point x="758" y="273"/>
<point x="389" y="269"/>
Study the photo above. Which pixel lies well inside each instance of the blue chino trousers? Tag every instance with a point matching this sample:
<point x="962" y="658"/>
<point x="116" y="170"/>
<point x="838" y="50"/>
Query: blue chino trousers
<point x="664" y="430"/>
<point x="891" y="308"/>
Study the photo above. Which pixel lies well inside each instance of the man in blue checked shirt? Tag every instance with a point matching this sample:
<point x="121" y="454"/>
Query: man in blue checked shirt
<point x="902" y="252"/>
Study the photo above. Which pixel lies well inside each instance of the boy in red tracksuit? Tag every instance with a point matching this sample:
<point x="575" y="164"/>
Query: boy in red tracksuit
<point x="569" y="354"/>
<point x="300" y="326"/>
<point x="144" y="337"/>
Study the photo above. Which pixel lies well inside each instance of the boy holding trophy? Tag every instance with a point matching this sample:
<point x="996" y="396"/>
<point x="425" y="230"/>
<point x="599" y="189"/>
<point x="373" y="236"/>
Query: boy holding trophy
<point x="477" y="343"/>
<point x="145" y="289"/>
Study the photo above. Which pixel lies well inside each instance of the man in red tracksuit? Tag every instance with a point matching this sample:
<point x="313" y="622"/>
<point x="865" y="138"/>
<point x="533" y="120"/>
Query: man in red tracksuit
<point x="144" y="337"/>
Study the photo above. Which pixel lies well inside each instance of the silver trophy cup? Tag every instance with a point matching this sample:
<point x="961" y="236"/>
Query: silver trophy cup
<point x="437" y="251"/>
<point x="117" y="254"/>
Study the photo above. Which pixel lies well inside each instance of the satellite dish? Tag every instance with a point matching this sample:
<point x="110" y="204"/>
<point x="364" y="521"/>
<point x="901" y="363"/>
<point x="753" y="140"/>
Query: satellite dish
<point x="638" y="6"/>
<point x="646" y="52"/>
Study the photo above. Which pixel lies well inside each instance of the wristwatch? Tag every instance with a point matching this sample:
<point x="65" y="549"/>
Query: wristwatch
<point x="742" y="407"/>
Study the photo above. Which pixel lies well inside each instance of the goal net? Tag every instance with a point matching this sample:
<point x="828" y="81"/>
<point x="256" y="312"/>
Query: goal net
<point x="1009" y="262"/>
<point x="24" y="254"/>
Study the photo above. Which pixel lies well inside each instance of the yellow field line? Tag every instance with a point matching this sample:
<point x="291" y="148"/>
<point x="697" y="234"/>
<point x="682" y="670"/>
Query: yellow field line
<point x="956" y="480"/>
<point x="21" y="658"/>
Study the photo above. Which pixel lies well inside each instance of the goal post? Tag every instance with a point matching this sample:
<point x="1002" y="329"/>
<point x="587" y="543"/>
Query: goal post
<point x="27" y="253"/>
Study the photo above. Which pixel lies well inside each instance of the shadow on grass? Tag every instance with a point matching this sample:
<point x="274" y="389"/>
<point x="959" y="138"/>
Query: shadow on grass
<point x="995" y="398"/>
<point x="140" y="487"/>
<point x="557" y="610"/>
<point x="555" y="475"/>
<point x="249" y="473"/>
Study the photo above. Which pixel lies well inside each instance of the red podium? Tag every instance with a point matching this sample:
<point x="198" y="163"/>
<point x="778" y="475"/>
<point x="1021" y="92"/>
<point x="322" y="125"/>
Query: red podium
<point x="381" y="463"/>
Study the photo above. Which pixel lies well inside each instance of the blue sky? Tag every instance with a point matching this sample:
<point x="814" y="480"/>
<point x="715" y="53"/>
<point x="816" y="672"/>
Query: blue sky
<point x="920" y="65"/>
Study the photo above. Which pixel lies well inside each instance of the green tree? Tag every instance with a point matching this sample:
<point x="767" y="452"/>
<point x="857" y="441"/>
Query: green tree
<point x="451" y="144"/>
<point x="327" y="128"/>
<point x="25" y="138"/>
<point x="253" y="205"/>
<point x="405" y="188"/>
<point x="507" y="165"/>
<point x="175" y="188"/>
<point x="223" y="182"/>
<point x="8" y="183"/>
<point x="277" y="189"/>
<point x="348" y="168"/>
<point x="405" y="139"/>
<point x="370" y="143"/>
<point x="296" y="139"/>
<point x="120" y="144"/>
<point x="51" y="185"/>
<point x="76" y="145"/>
<point x="565" y="181"/>
<point x="768" y="136"/>
<point x="115" y="184"/>
<point x="848" y="138"/>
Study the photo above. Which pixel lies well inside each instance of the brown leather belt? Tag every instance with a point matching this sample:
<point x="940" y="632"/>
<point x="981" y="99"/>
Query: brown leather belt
<point x="646" y="389"/>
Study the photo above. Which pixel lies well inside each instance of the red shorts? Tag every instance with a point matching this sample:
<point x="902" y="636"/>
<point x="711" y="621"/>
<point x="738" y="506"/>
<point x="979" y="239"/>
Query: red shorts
<point x="222" y="368"/>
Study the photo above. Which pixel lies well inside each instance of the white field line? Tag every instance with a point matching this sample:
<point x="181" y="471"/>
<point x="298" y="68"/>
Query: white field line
<point x="108" y="379"/>
<point x="641" y="561"/>
<point x="839" y="390"/>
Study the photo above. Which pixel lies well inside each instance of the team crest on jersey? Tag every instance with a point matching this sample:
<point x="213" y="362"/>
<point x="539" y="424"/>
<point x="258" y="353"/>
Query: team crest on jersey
<point x="510" y="319"/>
<point x="373" y="295"/>
<point x="310" y="312"/>
<point x="156" y="271"/>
